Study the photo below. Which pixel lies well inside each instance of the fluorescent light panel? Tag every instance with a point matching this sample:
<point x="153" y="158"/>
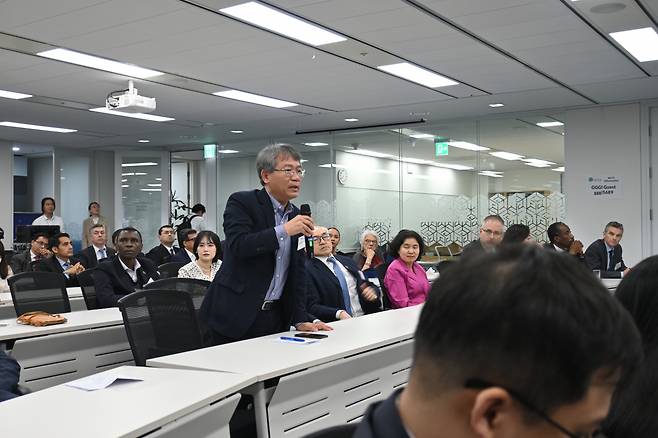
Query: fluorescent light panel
<point x="468" y="146"/>
<point x="100" y="63"/>
<point x="134" y="174"/>
<point x="417" y="74"/>
<point x="491" y="174"/>
<point x="12" y="95"/>
<point x="254" y="98"/>
<point x="37" y="127"/>
<point x="281" y="23"/>
<point x="15" y="148"/>
<point x="146" y="163"/>
<point x="550" y="124"/>
<point x="351" y="119"/>
<point x="369" y="153"/>
<point x="558" y="169"/>
<point x="227" y="151"/>
<point x="496" y="105"/>
<point x="150" y="117"/>
<point x="641" y="43"/>
<point x="150" y="190"/>
<point x="316" y="144"/>
<point x="421" y="135"/>
<point x="237" y="131"/>
<point x="144" y="141"/>
<point x="506" y="155"/>
<point x="537" y="162"/>
<point x="154" y="185"/>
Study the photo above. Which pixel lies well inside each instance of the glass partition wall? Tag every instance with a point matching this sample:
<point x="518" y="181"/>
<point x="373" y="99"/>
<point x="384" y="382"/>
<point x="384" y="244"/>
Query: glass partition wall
<point x="440" y="180"/>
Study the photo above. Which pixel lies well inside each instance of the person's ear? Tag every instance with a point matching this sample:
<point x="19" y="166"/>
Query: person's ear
<point x="492" y="408"/>
<point x="265" y="176"/>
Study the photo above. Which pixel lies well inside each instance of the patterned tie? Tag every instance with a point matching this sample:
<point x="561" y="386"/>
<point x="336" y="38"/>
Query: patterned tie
<point x="343" y="284"/>
<point x="611" y="265"/>
<point x="65" y="266"/>
<point x="101" y="254"/>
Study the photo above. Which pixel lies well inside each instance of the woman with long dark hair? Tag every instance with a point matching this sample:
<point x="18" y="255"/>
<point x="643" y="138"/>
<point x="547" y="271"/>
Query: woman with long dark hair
<point x="5" y="270"/>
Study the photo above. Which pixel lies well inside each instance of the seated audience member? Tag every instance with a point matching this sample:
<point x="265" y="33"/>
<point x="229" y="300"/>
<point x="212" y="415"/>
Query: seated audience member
<point x="370" y="256"/>
<point x="561" y="239"/>
<point x="546" y="366"/>
<point x="186" y="239"/>
<point x="9" y="376"/>
<point x="94" y="218"/>
<point x="166" y="250"/>
<point x="48" y="217"/>
<point x="197" y="222"/>
<point x="634" y="407"/>
<point x="335" y="240"/>
<point x="206" y="252"/>
<point x="604" y="254"/>
<point x="491" y="234"/>
<point x="91" y="256"/>
<point x="336" y="289"/>
<point x="28" y="261"/>
<point x="5" y="270"/>
<point x="125" y="272"/>
<point x="62" y="262"/>
<point x="405" y="280"/>
<point x="517" y="233"/>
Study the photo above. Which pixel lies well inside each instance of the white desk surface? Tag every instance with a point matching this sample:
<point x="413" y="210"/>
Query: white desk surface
<point x="611" y="283"/>
<point x="128" y="409"/>
<point x="74" y="292"/>
<point x="81" y="320"/>
<point x="267" y="357"/>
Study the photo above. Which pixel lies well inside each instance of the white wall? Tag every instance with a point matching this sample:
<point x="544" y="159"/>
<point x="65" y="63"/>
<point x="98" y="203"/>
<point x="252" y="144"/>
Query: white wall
<point x="40" y="181"/>
<point x="606" y="141"/>
<point x="73" y="199"/>
<point x="103" y="184"/>
<point x="7" y="192"/>
<point x="527" y="180"/>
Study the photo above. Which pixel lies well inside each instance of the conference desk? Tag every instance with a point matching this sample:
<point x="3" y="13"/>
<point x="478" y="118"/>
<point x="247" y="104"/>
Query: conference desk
<point x="611" y="283"/>
<point x="75" y="298"/>
<point x="89" y="342"/>
<point x="316" y="385"/>
<point x="165" y="403"/>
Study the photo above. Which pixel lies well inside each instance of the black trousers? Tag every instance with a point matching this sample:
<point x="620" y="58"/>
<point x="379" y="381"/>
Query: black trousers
<point x="267" y="322"/>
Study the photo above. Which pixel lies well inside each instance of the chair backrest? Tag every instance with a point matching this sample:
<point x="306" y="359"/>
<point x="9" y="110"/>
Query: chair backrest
<point x="86" y="281"/>
<point x="196" y="288"/>
<point x="159" y="322"/>
<point x="443" y="251"/>
<point x="46" y="291"/>
<point x="381" y="274"/>
<point x="169" y="270"/>
<point x="342" y="431"/>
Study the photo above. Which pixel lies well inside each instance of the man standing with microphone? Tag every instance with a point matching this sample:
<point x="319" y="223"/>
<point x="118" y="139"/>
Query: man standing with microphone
<point x="260" y="288"/>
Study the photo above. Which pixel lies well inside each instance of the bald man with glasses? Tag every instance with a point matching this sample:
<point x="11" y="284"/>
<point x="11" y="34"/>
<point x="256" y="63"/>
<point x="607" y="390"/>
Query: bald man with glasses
<point x="491" y="234"/>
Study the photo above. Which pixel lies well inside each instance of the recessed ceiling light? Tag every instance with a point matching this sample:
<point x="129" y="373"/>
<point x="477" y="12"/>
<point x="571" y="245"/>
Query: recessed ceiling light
<point x="468" y="146"/>
<point x="13" y="95"/>
<point x="417" y="74"/>
<point x="150" y="117"/>
<point x="227" y="151"/>
<point x="237" y="131"/>
<point x="369" y="153"/>
<point x="284" y="24"/>
<point x="143" y="141"/>
<point x="506" y="155"/>
<point x="99" y="63"/>
<point x="15" y="148"/>
<point x="150" y="190"/>
<point x="316" y="144"/>
<point x="37" y="127"/>
<point x="351" y="119"/>
<point x="491" y="174"/>
<point x="254" y="98"/>
<point x="154" y="185"/>
<point x="558" y="169"/>
<point x="333" y="165"/>
<point x="125" y="186"/>
<point x="134" y="174"/>
<point x="303" y="161"/>
<point x="496" y="105"/>
<point x="452" y="166"/>
<point x="147" y="163"/>
<point x="537" y="165"/>
<point x="641" y="43"/>
<point x="550" y="124"/>
<point x="537" y="162"/>
<point x="421" y="135"/>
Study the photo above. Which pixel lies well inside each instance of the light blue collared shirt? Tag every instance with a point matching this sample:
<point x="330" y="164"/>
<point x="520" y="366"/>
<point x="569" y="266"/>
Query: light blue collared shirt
<point x="282" y="254"/>
<point x="607" y="254"/>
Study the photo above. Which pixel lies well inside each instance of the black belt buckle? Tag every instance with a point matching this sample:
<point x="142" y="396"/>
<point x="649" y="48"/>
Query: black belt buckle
<point x="268" y="305"/>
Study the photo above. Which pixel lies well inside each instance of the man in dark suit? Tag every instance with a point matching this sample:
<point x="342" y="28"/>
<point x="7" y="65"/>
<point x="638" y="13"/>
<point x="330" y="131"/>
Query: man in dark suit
<point x="336" y="289"/>
<point x="561" y="239"/>
<point x="260" y="288"/>
<point x="491" y="234"/>
<point x="186" y="238"/>
<point x="605" y="255"/>
<point x="62" y="262"/>
<point x="9" y="376"/>
<point x="91" y="256"/>
<point x="28" y="260"/>
<point x="125" y="272"/>
<point x="166" y="250"/>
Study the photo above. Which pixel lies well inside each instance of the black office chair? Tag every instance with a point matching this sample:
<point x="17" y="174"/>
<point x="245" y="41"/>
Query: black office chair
<point x="381" y="274"/>
<point x="170" y="270"/>
<point x="159" y="322"/>
<point x="342" y="431"/>
<point x="86" y="281"/>
<point x="32" y="291"/>
<point x="196" y="288"/>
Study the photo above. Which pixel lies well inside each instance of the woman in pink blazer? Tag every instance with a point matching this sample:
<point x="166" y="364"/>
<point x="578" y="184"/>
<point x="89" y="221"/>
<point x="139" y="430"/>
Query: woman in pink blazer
<point x="405" y="279"/>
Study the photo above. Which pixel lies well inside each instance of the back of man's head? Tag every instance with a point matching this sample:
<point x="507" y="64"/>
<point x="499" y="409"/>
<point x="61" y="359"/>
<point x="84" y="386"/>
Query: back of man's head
<point x="531" y="320"/>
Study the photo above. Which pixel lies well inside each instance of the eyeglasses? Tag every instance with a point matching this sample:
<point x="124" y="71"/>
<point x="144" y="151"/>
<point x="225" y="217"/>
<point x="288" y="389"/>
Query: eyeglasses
<point x="495" y="233"/>
<point x="370" y="241"/>
<point x="482" y="384"/>
<point x="322" y="238"/>
<point x="292" y="172"/>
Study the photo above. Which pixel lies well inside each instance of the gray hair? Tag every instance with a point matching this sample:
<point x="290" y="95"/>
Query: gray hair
<point x="268" y="156"/>
<point x="365" y="233"/>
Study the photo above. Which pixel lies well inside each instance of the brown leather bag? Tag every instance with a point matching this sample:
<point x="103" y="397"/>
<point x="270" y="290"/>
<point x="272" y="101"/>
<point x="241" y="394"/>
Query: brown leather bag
<point x="40" y="319"/>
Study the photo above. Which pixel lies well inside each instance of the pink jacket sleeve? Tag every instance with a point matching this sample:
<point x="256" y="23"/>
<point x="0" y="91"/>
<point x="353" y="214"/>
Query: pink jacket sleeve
<point x="396" y="284"/>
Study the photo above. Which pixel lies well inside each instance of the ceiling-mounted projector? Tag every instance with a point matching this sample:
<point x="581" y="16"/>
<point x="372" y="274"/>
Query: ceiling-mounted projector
<point x="129" y="101"/>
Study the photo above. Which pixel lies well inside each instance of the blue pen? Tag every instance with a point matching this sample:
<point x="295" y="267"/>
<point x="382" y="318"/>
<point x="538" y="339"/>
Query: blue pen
<point x="288" y="338"/>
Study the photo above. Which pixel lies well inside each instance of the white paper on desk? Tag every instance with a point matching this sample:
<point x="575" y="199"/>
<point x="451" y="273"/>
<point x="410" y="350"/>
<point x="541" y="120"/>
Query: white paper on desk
<point x="618" y="266"/>
<point x="99" y="381"/>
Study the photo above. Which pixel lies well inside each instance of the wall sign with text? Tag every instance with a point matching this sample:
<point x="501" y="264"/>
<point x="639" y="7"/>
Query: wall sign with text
<point x="604" y="187"/>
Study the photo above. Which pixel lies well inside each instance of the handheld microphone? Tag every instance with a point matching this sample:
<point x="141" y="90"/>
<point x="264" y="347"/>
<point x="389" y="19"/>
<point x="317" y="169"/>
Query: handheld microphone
<point x="305" y="210"/>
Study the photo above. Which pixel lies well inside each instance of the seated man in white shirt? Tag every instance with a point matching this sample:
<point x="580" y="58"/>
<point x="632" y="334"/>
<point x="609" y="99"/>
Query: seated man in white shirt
<point x="336" y="289"/>
<point x="62" y="262"/>
<point x="125" y="272"/>
<point x="48" y="217"/>
<point x="91" y="256"/>
<point x="186" y="241"/>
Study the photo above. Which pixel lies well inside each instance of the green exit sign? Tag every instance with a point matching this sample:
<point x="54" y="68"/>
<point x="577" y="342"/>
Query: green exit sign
<point x="441" y="148"/>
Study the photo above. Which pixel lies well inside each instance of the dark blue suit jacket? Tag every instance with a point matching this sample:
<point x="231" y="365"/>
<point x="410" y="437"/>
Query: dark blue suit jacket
<point x="324" y="296"/>
<point x="9" y="373"/>
<point x="181" y="257"/>
<point x="237" y="293"/>
<point x="596" y="257"/>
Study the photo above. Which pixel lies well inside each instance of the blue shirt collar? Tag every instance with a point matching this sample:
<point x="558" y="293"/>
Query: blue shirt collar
<point x="608" y="248"/>
<point x="278" y="208"/>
